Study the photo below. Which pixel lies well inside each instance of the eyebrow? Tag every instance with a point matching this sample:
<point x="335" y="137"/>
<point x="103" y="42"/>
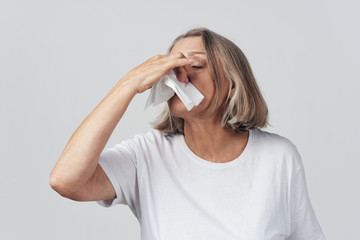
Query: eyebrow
<point x="196" y="52"/>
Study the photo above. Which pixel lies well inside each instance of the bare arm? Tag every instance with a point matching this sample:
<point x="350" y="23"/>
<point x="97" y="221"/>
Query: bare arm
<point x="79" y="159"/>
<point x="77" y="174"/>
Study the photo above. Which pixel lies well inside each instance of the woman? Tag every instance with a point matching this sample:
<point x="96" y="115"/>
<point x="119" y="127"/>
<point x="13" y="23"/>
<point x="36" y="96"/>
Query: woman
<point x="207" y="173"/>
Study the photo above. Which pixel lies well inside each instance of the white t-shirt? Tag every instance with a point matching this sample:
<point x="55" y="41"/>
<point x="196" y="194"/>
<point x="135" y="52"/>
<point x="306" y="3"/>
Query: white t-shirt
<point x="176" y="195"/>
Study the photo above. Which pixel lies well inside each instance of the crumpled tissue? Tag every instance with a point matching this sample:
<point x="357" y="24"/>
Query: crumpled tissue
<point x="168" y="85"/>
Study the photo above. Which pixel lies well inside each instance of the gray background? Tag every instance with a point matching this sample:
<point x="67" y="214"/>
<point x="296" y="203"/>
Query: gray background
<point x="60" y="58"/>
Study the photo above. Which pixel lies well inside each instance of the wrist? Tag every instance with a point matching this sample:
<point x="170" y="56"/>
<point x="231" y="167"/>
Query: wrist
<point x="127" y="84"/>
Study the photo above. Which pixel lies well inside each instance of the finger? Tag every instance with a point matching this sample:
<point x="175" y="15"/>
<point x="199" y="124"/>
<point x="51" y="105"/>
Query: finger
<point x="177" y="55"/>
<point x="182" y="62"/>
<point x="182" y="75"/>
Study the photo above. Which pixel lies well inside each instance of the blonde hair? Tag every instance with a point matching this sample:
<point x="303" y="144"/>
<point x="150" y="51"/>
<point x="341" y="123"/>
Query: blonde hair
<point x="246" y="109"/>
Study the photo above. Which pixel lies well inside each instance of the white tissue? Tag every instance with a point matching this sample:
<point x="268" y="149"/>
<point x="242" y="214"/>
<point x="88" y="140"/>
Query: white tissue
<point x="168" y="85"/>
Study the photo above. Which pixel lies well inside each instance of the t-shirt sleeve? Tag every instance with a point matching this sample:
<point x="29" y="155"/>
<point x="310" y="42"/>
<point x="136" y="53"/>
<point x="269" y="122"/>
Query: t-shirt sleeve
<point x="120" y="165"/>
<point x="304" y="223"/>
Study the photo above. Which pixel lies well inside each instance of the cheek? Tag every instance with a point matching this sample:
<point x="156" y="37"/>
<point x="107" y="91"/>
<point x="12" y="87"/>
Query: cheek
<point x="201" y="80"/>
<point x="205" y="87"/>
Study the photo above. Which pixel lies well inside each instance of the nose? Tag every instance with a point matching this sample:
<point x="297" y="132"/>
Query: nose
<point x="181" y="74"/>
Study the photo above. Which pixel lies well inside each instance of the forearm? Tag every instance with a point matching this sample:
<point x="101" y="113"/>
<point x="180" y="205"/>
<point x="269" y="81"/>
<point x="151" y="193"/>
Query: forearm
<point x="80" y="156"/>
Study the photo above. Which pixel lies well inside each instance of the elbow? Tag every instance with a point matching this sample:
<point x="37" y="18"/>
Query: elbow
<point x="60" y="186"/>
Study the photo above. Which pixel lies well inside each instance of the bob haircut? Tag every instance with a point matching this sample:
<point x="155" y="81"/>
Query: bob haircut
<point x="245" y="110"/>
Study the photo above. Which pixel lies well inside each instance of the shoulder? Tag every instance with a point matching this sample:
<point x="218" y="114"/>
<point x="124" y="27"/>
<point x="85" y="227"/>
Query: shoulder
<point x="151" y="137"/>
<point x="275" y="143"/>
<point x="282" y="152"/>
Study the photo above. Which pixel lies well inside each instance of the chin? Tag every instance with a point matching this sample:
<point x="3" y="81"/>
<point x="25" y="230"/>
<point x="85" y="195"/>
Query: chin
<point x="177" y="107"/>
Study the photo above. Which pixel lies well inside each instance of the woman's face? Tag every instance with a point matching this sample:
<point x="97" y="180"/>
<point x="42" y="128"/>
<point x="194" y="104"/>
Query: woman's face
<point x="198" y="74"/>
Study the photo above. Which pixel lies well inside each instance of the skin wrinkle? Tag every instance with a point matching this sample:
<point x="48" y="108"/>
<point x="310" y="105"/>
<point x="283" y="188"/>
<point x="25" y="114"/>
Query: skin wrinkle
<point x="242" y="106"/>
<point x="204" y="136"/>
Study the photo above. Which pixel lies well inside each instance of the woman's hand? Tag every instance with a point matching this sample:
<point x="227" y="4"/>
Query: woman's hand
<point x="148" y="73"/>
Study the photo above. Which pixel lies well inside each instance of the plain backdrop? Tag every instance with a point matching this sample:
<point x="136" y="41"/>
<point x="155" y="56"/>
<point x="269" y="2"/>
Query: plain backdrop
<point x="58" y="60"/>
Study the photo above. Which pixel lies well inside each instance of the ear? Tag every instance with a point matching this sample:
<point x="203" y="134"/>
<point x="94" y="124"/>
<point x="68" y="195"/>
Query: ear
<point x="232" y="91"/>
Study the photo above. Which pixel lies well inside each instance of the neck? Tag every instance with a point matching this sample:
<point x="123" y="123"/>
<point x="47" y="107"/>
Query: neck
<point x="210" y="141"/>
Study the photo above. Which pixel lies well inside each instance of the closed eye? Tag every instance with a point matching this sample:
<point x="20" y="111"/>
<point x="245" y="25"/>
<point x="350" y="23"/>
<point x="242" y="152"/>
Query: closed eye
<point x="197" y="67"/>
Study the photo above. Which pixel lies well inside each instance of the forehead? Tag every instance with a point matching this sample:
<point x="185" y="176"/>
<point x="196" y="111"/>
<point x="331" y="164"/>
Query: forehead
<point x="188" y="46"/>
